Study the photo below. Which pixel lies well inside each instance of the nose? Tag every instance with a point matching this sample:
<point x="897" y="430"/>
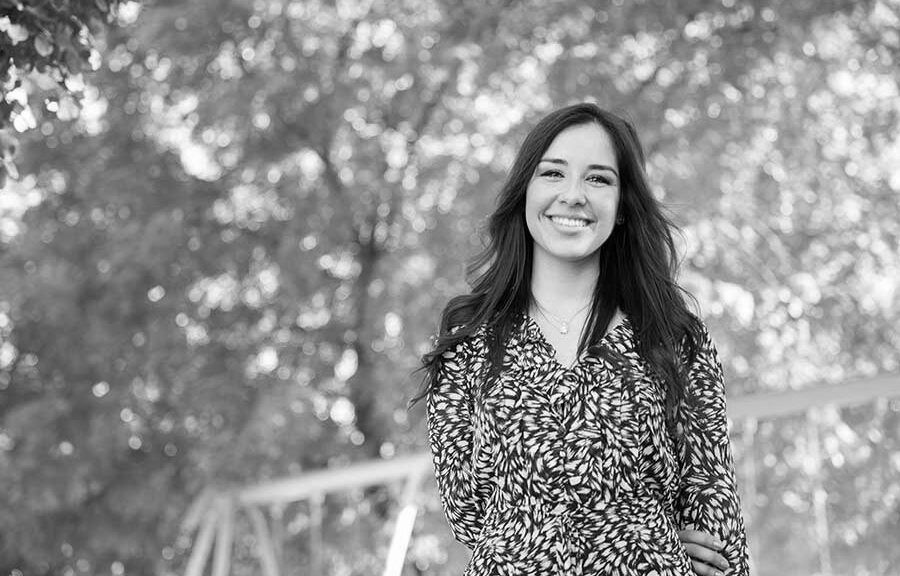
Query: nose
<point x="573" y="194"/>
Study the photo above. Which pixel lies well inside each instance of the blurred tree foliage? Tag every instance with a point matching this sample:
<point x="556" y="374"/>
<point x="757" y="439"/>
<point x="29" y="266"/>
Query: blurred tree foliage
<point x="224" y="268"/>
<point x="44" y="46"/>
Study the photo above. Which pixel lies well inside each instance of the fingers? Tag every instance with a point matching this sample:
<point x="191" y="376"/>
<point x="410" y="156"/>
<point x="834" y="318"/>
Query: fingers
<point x="704" y="570"/>
<point x="710" y="562"/>
<point x="702" y="538"/>
<point x="701" y="547"/>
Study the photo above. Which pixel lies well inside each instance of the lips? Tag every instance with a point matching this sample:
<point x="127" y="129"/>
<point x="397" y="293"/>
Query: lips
<point x="572" y="222"/>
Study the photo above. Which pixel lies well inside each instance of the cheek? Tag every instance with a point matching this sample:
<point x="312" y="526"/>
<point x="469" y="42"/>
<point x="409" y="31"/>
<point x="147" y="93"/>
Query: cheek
<point x="608" y="205"/>
<point x="533" y="207"/>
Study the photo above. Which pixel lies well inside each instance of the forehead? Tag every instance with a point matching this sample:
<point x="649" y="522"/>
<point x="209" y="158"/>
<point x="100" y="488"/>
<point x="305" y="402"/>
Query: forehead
<point x="583" y="144"/>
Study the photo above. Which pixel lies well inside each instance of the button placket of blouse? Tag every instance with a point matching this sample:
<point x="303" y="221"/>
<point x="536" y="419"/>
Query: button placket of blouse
<point x="565" y="384"/>
<point x="563" y="405"/>
<point x="568" y="544"/>
<point x="605" y="413"/>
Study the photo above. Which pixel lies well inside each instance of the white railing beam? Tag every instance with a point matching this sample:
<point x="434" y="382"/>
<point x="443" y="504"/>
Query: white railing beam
<point x="782" y="403"/>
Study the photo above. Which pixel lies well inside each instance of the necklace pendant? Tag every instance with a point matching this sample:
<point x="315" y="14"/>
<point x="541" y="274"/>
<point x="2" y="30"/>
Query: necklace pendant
<point x="564" y="329"/>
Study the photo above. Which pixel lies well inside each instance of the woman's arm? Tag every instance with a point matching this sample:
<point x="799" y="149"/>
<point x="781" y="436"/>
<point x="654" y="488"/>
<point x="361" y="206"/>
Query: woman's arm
<point x="707" y="499"/>
<point x="451" y="435"/>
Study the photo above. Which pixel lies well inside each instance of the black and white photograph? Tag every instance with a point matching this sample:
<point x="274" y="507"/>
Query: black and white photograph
<point x="449" y="288"/>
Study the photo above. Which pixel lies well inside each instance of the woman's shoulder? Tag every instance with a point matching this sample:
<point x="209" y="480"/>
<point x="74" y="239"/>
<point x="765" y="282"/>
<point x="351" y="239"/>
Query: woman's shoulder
<point x="470" y="344"/>
<point x="701" y="332"/>
<point x="463" y="358"/>
<point x="695" y="337"/>
<point x="698" y="348"/>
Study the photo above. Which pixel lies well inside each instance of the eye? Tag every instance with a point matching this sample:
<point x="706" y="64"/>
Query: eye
<point x="600" y="179"/>
<point x="552" y="174"/>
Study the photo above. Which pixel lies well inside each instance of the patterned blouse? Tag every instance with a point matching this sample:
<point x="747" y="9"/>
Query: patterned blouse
<point x="567" y="471"/>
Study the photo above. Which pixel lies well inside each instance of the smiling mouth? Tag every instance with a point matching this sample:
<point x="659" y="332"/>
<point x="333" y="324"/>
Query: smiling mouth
<point x="569" y="222"/>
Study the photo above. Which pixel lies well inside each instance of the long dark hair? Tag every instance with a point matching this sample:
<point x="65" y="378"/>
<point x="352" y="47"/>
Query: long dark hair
<point x="638" y="263"/>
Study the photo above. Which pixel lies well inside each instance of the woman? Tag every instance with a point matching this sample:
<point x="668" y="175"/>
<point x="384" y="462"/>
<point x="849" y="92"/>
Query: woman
<point x="576" y="407"/>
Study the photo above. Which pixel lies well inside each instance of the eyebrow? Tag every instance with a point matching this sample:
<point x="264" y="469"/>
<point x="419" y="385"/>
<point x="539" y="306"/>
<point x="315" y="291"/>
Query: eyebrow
<point x="590" y="167"/>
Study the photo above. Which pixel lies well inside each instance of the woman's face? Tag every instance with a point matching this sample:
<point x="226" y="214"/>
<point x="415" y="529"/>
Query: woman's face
<point x="571" y="201"/>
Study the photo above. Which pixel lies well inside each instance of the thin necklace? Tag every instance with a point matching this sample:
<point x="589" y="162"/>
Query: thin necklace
<point x="561" y="324"/>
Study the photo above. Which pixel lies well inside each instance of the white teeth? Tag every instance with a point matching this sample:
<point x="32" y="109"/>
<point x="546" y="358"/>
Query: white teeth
<point x="574" y="222"/>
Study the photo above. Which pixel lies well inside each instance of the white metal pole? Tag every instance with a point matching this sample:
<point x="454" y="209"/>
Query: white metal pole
<point x="225" y="538"/>
<point x="203" y="544"/>
<point x="316" y="503"/>
<point x="406" y="520"/>
<point x="267" y="558"/>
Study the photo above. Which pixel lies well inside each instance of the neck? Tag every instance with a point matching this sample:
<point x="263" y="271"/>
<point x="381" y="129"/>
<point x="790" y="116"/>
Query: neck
<point x="562" y="286"/>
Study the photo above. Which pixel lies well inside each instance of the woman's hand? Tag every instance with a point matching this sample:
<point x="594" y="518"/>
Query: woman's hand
<point x="702" y="549"/>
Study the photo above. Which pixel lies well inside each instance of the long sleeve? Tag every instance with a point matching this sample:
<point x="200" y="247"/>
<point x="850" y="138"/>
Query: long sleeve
<point x="707" y="498"/>
<point x="453" y="439"/>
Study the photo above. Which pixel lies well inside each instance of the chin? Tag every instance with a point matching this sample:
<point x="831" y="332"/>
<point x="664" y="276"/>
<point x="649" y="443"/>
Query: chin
<point x="573" y="256"/>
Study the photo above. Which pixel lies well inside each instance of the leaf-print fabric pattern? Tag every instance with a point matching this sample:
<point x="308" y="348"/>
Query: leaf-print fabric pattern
<point x="570" y="472"/>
